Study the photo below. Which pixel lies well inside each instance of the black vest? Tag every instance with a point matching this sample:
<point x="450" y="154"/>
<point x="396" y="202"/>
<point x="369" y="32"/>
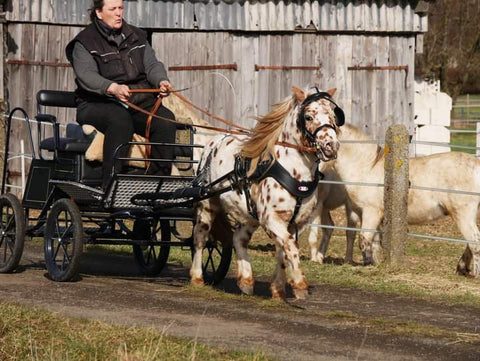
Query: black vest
<point x="121" y="63"/>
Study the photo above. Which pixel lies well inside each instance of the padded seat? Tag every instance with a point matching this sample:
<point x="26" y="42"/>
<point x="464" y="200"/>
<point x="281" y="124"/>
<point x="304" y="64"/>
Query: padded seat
<point x="76" y="141"/>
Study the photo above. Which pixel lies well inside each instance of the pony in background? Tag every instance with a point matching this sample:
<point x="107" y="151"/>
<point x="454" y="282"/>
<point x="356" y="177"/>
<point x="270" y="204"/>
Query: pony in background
<point x="364" y="163"/>
<point x="291" y="140"/>
<point x="330" y="196"/>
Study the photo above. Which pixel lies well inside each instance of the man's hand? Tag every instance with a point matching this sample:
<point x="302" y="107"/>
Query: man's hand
<point x="165" y="88"/>
<point x="121" y="91"/>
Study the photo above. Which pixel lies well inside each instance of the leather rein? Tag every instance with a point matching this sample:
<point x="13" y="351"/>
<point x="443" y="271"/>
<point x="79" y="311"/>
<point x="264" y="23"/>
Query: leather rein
<point x="238" y="130"/>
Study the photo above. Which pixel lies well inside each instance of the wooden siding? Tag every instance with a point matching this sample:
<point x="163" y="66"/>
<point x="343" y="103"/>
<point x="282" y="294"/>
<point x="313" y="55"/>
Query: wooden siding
<point x="372" y="99"/>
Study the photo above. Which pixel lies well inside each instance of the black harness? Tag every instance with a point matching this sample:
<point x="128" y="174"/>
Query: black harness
<point x="238" y="178"/>
<point x="272" y="168"/>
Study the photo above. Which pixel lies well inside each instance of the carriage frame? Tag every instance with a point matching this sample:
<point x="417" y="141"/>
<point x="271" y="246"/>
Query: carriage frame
<point x="64" y="203"/>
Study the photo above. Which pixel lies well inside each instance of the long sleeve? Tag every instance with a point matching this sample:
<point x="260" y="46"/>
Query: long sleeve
<point x="155" y="70"/>
<point x="86" y="71"/>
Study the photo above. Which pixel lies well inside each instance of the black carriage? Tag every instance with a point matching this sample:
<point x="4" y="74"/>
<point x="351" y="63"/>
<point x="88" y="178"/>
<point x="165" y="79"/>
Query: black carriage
<point x="64" y="203"/>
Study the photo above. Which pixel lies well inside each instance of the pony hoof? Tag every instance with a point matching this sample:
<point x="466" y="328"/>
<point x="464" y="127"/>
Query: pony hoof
<point x="246" y="286"/>
<point x="318" y="258"/>
<point x="246" y="290"/>
<point x="278" y="295"/>
<point x="301" y="294"/>
<point x="197" y="282"/>
<point x="367" y="260"/>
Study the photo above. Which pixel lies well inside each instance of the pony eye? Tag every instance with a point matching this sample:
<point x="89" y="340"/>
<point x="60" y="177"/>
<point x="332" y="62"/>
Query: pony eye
<point x="308" y="118"/>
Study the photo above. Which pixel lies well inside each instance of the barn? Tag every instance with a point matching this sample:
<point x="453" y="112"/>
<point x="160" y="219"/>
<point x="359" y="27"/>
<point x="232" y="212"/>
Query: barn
<point x="237" y="58"/>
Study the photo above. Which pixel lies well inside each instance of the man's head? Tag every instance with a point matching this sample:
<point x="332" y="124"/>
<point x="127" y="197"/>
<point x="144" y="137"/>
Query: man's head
<point x="110" y="12"/>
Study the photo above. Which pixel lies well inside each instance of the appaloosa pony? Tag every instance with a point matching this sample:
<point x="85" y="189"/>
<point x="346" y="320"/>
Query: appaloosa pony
<point x="364" y="163"/>
<point x="279" y="164"/>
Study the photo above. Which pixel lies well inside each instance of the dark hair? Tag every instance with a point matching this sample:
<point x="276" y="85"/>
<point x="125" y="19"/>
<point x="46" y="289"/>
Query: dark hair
<point x="97" y="5"/>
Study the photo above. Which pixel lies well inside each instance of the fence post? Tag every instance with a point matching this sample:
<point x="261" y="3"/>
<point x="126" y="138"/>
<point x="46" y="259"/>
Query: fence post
<point x="395" y="193"/>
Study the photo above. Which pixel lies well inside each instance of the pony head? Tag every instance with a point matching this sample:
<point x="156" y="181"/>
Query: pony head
<point x="318" y="121"/>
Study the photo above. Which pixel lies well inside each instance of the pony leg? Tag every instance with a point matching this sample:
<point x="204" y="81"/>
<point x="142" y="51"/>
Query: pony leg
<point x="469" y="263"/>
<point x="327" y="234"/>
<point x="370" y="220"/>
<point x="352" y="220"/>
<point x="280" y="278"/>
<point x="241" y="238"/>
<point x="201" y="230"/>
<point x="289" y="254"/>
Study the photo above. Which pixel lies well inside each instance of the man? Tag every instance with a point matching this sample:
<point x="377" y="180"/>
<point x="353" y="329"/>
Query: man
<point x="110" y="57"/>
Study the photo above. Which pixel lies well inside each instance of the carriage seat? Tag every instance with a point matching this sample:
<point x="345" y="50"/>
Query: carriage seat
<point x="87" y="139"/>
<point x="75" y="141"/>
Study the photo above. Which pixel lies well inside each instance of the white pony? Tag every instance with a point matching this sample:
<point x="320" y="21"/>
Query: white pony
<point x="298" y="133"/>
<point x="453" y="171"/>
<point x="330" y="196"/>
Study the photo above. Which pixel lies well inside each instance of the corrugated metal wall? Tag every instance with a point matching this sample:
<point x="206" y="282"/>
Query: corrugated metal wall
<point x="323" y="15"/>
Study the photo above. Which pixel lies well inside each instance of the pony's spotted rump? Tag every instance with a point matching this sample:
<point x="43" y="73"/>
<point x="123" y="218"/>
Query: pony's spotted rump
<point x="269" y="204"/>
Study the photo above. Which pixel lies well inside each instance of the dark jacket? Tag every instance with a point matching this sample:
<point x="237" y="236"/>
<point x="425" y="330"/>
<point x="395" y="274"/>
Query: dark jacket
<point x="119" y="58"/>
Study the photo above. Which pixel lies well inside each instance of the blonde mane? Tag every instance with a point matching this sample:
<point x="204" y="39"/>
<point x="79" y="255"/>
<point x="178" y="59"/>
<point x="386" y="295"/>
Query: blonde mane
<point x="260" y="145"/>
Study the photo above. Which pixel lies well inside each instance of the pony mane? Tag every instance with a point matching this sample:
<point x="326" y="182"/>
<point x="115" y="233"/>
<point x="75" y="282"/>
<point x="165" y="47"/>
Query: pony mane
<point x="260" y="145"/>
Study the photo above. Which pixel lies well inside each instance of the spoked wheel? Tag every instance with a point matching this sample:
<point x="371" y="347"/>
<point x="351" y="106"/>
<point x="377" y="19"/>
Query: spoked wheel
<point x="12" y="232"/>
<point x="216" y="261"/>
<point x="151" y="258"/>
<point x="63" y="240"/>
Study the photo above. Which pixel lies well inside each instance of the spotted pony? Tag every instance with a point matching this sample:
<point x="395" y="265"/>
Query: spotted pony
<point x="298" y="134"/>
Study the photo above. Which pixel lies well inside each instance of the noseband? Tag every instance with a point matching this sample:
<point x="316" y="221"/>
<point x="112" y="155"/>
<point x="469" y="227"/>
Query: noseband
<point x="301" y="121"/>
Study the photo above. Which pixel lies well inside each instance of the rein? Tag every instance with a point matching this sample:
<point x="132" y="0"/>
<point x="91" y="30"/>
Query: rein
<point x="238" y="130"/>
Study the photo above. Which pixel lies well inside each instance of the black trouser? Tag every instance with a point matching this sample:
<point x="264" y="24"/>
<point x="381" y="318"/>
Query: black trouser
<point x="118" y="124"/>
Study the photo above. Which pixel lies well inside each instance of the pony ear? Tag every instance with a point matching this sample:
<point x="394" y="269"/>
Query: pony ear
<point x="299" y="94"/>
<point x="331" y="92"/>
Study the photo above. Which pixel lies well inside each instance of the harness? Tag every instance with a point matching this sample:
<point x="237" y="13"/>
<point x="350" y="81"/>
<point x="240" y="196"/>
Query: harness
<point x="272" y="168"/>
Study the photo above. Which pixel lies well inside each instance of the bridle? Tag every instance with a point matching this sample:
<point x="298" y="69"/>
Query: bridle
<point x="302" y="120"/>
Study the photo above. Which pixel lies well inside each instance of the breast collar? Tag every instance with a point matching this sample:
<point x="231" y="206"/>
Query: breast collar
<point x="272" y="168"/>
<point x="299" y="189"/>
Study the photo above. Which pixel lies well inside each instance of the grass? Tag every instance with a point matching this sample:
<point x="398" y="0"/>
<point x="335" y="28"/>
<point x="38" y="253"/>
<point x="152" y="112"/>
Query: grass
<point x="37" y="335"/>
<point x="464" y="118"/>
<point x="461" y="111"/>
<point x="428" y="271"/>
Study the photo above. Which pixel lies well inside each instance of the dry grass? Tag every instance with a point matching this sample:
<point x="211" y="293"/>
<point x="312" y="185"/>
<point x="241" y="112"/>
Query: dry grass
<point x="428" y="271"/>
<point x="36" y="335"/>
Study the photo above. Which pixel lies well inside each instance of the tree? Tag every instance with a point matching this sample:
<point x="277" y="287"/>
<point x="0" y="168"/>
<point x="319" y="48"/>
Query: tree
<point x="452" y="46"/>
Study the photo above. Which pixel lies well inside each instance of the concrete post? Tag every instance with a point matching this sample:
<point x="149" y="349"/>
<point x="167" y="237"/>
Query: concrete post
<point x="396" y="193"/>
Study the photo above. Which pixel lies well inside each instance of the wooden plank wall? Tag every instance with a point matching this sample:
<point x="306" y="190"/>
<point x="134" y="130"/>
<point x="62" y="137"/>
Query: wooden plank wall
<point x="35" y="42"/>
<point x="371" y="99"/>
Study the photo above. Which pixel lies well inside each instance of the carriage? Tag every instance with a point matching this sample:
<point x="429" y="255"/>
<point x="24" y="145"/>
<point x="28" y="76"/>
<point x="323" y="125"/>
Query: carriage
<point x="64" y="203"/>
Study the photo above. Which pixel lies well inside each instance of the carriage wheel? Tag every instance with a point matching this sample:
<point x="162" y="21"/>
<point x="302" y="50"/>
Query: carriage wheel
<point x="152" y="258"/>
<point x="12" y="232"/>
<point x="215" y="261"/>
<point x="63" y="240"/>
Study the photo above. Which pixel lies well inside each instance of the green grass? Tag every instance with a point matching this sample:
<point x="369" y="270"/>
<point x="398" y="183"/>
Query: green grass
<point x="37" y="335"/>
<point x="463" y="139"/>
<point x="460" y="111"/>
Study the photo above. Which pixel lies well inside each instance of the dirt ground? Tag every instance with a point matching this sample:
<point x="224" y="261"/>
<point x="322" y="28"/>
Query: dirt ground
<point x="110" y="289"/>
